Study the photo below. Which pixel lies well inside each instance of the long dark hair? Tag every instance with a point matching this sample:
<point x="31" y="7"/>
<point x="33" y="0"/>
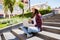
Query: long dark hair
<point x="35" y="13"/>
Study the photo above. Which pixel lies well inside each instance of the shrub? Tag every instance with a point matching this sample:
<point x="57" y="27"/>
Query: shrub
<point x="45" y="11"/>
<point x="27" y="15"/>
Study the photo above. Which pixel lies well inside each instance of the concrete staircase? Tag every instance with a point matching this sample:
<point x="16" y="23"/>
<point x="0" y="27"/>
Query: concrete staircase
<point x="53" y="21"/>
<point x="55" y="18"/>
<point x="50" y="31"/>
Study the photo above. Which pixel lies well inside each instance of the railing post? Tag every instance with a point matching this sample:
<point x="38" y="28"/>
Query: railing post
<point x="53" y="11"/>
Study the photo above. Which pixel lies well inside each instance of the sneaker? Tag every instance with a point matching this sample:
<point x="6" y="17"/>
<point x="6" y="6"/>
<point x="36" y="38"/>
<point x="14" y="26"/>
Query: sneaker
<point x="25" y="34"/>
<point x="29" y="35"/>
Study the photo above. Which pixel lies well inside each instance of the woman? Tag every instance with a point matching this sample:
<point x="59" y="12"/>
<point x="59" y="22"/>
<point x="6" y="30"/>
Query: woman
<point x="38" y="18"/>
<point x="36" y="21"/>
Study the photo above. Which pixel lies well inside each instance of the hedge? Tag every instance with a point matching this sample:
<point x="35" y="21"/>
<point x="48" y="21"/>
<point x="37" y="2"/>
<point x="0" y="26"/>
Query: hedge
<point x="29" y="14"/>
<point x="45" y="11"/>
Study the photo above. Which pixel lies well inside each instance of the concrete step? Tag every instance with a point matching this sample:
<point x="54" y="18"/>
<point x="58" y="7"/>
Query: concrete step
<point x="55" y="18"/>
<point x="52" y="20"/>
<point x="56" y="15"/>
<point x="35" y="38"/>
<point x="51" y="29"/>
<point x="9" y="36"/>
<point x="18" y="33"/>
<point x="56" y="24"/>
<point x="49" y="36"/>
<point x="44" y="35"/>
<point x="0" y="38"/>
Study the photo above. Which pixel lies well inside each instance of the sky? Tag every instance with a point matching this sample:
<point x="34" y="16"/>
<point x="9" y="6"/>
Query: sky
<point x="52" y="3"/>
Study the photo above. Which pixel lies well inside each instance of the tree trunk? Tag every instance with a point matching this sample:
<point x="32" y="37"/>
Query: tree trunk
<point x="9" y="16"/>
<point x="5" y="15"/>
<point x="29" y="5"/>
<point x="22" y="12"/>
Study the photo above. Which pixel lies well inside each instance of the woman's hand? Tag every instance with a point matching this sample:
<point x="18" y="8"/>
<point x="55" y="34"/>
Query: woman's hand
<point x="29" y="21"/>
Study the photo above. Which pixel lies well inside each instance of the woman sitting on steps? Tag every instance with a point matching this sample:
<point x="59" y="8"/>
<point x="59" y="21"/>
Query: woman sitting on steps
<point x="36" y="20"/>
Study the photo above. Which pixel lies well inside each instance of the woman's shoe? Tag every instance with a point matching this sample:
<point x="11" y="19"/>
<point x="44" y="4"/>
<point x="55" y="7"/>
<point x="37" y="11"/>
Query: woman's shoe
<point x="41" y="30"/>
<point x="25" y="34"/>
<point x="29" y="35"/>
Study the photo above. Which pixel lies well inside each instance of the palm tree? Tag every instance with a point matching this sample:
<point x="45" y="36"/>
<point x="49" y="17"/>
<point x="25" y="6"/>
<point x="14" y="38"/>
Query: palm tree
<point x="11" y="5"/>
<point x="5" y="7"/>
<point x="8" y="5"/>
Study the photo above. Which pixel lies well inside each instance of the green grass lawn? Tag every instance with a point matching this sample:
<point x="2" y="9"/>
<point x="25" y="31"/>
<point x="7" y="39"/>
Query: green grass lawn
<point x="3" y="25"/>
<point x="15" y="20"/>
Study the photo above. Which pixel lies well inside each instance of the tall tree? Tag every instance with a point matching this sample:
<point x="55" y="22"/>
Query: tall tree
<point x="11" y="5"/>
<point x="49" y="8"/>
<point x="21" y="5"/>
<point x="8" y="5"/>
<point x="5" y="3"/>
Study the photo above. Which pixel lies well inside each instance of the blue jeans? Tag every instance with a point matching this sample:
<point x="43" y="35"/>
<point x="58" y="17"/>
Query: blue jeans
<point x="30" y="29"/>
<point x="33" y="29"/>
